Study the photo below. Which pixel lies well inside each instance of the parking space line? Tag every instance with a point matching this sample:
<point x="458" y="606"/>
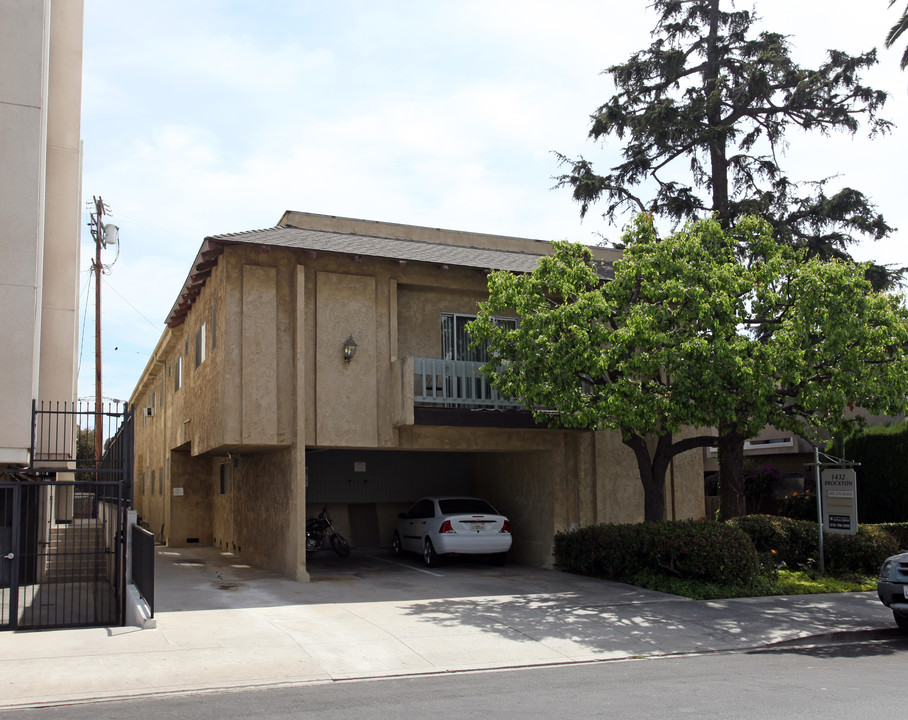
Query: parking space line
<point x="409" y="567"/>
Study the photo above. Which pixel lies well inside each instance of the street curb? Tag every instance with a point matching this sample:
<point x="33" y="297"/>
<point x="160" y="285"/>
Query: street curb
<point x="844" y="637"/>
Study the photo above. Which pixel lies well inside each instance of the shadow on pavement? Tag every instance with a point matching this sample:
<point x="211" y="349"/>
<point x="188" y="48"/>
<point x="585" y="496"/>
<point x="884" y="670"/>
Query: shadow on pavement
<point x="516" y="608"/>
<point x="204" y="578"/>
<point x="857" y="644"/>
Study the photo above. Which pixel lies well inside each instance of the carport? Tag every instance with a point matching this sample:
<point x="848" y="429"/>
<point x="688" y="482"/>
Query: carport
<point x="366" y="489"/>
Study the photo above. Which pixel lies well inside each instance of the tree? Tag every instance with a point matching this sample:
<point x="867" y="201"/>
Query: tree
<point x="706" y="108"/>
<point x="693" y="333"/>
<point x="896" y="31"/>
<point x="703" y="114"/>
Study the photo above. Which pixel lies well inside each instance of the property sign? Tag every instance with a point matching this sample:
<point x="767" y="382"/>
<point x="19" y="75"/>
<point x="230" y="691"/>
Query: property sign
<point x="839" y="498"/>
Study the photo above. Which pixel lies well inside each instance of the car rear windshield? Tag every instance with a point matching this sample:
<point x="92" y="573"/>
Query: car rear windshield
<point x="455" y="506"/>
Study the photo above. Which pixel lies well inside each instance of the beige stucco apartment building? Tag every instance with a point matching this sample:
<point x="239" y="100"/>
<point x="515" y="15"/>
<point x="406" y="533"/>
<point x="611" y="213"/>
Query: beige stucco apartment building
<point x="40" y="211"/>
<point x="250" y="418"/>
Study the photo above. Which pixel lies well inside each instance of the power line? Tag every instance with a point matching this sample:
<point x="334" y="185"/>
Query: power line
<point x="84" y="321"/>
<point x="138" y="312"/>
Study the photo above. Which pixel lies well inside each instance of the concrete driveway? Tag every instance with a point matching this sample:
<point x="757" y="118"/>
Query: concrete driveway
<point x="223" y="624"/>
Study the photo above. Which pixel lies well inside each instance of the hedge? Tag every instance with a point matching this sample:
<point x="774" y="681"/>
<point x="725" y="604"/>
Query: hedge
<point x="899" y="531"/>
<point x="797" y="544"/>
<point x="794" y="542"/>
<point x="882" y="485"/>
<point x="732" y="553"/>
<point x="694" y="549"/>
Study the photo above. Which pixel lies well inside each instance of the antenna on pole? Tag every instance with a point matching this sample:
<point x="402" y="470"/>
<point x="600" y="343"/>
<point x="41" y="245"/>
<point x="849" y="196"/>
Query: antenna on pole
<point x="102" y="237"/>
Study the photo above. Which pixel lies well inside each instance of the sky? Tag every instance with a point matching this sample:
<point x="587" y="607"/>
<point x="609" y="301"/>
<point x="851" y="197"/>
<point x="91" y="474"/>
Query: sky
<point x="202" y="117"/>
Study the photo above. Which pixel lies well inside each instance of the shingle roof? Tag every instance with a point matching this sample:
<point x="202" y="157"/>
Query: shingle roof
<point x="392" y="248"/>
<point x="352" y="244"/>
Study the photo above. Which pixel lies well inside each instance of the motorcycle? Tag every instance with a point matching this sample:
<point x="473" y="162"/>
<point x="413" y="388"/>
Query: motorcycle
<point x="320" y="535"/>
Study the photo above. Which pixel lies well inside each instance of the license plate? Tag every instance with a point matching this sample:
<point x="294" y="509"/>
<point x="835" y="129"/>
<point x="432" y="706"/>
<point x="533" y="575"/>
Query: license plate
<point x="479" y="527"/>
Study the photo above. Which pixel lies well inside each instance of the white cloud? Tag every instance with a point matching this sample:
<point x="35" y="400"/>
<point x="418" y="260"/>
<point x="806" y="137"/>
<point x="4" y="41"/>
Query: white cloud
<point x="212" y="116"/>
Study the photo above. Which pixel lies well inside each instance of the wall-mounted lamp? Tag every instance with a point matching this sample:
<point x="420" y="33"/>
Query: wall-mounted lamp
<point x="349" y="349"/>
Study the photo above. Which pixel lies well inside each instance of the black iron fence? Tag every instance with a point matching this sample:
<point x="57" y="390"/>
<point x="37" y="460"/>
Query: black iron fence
<point x="143" y="564"/>
<point x="62" y="521"/>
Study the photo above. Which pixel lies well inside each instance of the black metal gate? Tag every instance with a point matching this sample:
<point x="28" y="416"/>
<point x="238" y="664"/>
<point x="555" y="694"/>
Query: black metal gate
<point x="62" y="523"/>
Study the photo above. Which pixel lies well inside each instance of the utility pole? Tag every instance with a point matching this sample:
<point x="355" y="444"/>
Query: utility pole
<point x="98" y="233"/>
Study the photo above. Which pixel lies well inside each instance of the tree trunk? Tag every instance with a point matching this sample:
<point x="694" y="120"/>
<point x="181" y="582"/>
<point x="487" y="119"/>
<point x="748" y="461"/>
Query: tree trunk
<point x="731" y="473"/>
<point x="717" y="145"/>
<point x="653" y="483"/>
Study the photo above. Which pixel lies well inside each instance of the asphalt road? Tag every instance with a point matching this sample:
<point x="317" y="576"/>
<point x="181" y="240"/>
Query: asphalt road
<point x="860" y="679"/>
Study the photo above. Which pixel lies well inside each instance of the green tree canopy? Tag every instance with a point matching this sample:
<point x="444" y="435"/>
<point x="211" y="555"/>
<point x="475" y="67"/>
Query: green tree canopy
<point x="693" y="333"/>
<point x="702" y="114"/>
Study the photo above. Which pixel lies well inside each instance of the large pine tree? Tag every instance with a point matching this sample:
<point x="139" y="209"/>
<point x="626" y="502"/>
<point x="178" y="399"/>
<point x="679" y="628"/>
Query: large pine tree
<point x="702" y="114"/>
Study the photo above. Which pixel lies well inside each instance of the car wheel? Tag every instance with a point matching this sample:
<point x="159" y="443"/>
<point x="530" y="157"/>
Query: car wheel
<point x="428" y="554"/>
<point x="499" y="559"/>
<point x="901" y="620"/>
<point x="396" y="550"/>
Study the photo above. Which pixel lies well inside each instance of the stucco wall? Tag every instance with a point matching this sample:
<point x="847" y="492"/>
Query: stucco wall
<point x="346" y="393"/>
<point x="522" y="486"/>
<point x="685" y="494"/>
<point x="263" y="509"/>
<point x="202" y="408"/>
<point x="188" y="519"/>
<point x="620" y="499"/>
<point x="419" y="315"/>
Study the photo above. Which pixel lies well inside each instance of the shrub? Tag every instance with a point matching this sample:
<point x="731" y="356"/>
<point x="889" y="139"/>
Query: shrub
<point x="695" y="549"/>
<point x="794" y="542"/>
<point x="799" y="506"/>
<point x="862" y="553"/>
<point x="758" y="485"/>
<point x="709" y="551"/>
<point x="899" y="531"/>
<point x="600" y="550"/>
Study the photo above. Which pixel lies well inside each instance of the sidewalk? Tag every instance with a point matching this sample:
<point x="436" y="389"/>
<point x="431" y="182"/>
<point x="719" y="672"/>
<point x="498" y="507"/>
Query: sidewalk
<point x="221" y="624"/>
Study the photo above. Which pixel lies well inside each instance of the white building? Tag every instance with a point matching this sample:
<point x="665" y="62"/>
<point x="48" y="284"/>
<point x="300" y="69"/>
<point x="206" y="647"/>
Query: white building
<point x="40" y="211"/>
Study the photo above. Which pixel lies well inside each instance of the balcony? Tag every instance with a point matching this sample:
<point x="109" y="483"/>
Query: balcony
<point x="435" y="391"/>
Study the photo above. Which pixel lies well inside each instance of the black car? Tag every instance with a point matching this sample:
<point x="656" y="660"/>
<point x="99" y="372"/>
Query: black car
<point x="892" y="587"/>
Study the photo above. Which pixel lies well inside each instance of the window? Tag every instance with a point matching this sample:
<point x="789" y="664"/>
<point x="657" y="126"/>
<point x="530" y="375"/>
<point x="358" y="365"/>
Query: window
<point x="455" y="340"/>
<point x="178" y="374"/>
<point x="200" y="344"/>
<point x="214" y="327"/>
<point x="161" y="482"/>
<point x="224" y="477"/>
<point x="425" y="508"/>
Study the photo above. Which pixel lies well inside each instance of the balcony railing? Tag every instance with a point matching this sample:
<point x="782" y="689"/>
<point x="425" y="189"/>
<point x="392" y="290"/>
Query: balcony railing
<point x="456" y="384"/>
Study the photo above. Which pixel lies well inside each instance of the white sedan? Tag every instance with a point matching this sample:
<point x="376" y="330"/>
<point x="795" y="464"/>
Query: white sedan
<point x="437" y="526"/>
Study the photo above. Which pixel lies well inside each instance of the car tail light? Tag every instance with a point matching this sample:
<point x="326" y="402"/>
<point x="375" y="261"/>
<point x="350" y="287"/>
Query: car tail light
<point x="505" y="527"/>
<point x="446" y="527"/>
